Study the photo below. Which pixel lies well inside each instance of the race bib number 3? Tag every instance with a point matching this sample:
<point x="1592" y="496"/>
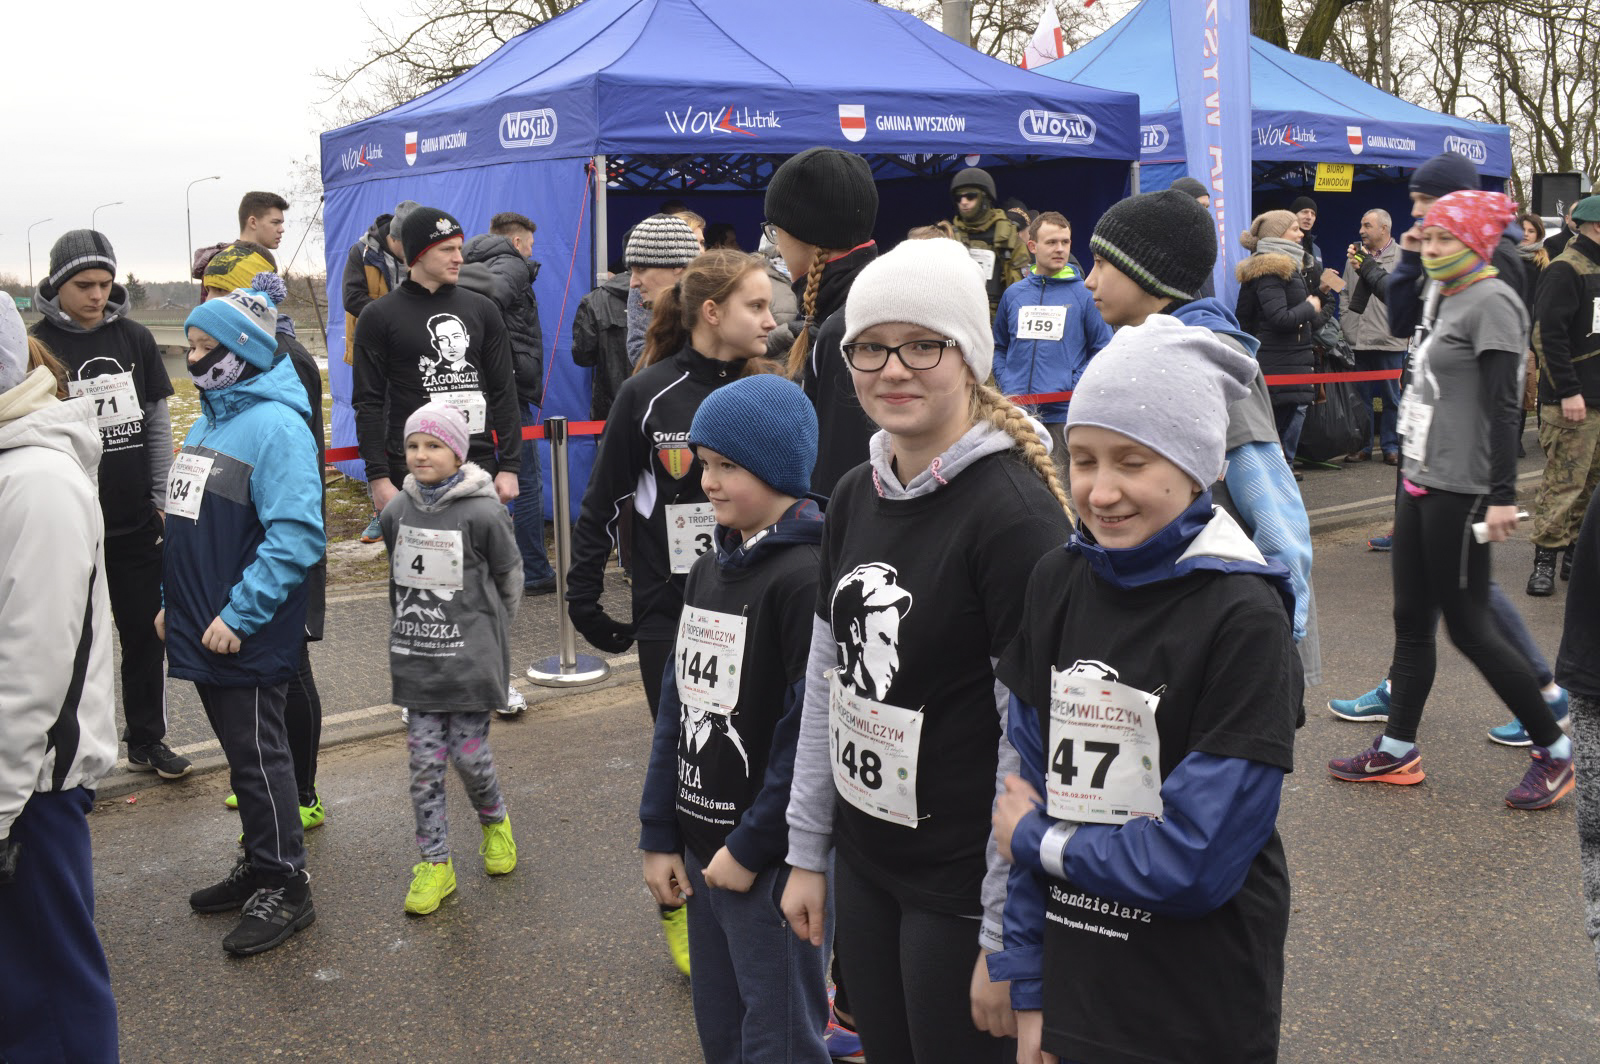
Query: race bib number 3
<point x="114" y="398"/>
<point x="1105" y="755"/>
<point x="710" y="659"/>
<point x="428" y="559"/>
<point x="874" y="751"/>
<point x="1041" y="323"/>
<point x="689" y="532"/>
<point x="186" y="485"/>
<point x="470" y="405"/>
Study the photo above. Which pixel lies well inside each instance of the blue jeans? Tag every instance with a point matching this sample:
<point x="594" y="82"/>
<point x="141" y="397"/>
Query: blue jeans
<point x="527" y="512"/>
<point x="1290" y="419"/>
<point x="759" y="992"/>
<point x="1385" y="423"/>
<point x="57" y="1003"/>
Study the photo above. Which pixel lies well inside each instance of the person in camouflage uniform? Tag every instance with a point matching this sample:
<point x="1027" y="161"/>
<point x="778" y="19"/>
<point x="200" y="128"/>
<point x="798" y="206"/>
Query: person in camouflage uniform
<point x="1566" y="339"/>
<point x="996" y="245"/>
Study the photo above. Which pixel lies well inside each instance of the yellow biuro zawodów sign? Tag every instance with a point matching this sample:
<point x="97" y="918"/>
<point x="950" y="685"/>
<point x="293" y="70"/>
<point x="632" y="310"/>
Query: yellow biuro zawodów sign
<point x="1335" y="177"/>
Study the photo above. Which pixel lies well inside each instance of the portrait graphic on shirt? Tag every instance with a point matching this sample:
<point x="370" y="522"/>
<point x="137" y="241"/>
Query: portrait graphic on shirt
<point x="712" y="760"/>
<point x="868" y="605"/>
<point x="448" y="341"/>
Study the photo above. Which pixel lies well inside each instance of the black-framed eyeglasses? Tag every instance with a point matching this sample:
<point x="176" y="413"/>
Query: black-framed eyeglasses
<point x="913" y="354"/>
<point x="769" y="231"/>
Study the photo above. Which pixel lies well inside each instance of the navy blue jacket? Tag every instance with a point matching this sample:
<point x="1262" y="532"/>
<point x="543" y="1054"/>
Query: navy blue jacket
<point x="259" y="530"/>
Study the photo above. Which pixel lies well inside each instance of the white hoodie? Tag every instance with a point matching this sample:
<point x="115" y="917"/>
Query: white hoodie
<point x="57" y="715"/>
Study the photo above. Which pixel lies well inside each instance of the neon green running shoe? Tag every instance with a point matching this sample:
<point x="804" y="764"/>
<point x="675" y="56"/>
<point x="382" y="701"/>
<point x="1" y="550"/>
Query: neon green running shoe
<point x="231" y="801"/>
<point x="499" y="849"/>
<point x="312" y="816"/>
<point x="430" y="884"/>
<point x="675" y="925"/>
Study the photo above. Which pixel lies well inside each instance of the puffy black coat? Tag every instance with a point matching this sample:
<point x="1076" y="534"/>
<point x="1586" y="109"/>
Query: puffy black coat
<point x="1272" y="306"/>
<point x="494" y="269"/>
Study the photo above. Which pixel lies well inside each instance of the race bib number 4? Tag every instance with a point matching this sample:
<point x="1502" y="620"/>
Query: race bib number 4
<point x="114" y="398"/>
<point x="1105" y="754"/>
<point x="470" y="405"/>
<point x="428" y="559"/>
<point x="689" y="532"/>
<point x="710" y="659"/>
<point x="874" y="750"/>
<point x="1041" y="323"/>
<point x="186" y="485"/>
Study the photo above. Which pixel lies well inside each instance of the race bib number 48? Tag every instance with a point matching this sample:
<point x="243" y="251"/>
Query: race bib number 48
<point x="1105" y="755"/>
<point x="874" y="751"/>
<point x="710" y="659"/>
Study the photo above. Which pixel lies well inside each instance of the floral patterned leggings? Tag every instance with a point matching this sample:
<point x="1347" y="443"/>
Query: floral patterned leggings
<point x="434" y="738"/>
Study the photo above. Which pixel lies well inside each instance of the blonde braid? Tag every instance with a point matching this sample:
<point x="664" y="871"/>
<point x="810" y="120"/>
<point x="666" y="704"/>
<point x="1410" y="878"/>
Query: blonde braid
<point x="802" y="341"/>
<point x="991" y="406"/>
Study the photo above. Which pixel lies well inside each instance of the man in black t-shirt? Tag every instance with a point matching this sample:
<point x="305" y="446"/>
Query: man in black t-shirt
<point x="114" y="361"/>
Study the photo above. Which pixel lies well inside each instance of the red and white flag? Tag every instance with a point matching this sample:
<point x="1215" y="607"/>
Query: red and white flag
<point x="1047" y="43"/>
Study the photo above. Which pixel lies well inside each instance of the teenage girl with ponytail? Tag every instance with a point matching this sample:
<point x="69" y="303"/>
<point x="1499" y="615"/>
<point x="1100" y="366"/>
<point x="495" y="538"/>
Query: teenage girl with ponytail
<point x="708" y="329"/>
<point x="821" y="206"/>
<point x="925" y="555"/>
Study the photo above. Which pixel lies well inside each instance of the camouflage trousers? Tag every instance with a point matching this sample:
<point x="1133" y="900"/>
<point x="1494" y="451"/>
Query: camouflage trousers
<point x="1571" y="468"/>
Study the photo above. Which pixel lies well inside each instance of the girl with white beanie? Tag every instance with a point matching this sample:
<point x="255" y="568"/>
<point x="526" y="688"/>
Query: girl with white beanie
<point x="925" y="555"/>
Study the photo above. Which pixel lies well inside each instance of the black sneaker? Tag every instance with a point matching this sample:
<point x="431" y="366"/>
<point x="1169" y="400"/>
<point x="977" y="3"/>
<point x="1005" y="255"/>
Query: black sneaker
<point x="231" y="893"/>
<point x="159" y="758"/>
<point x="270" y="916"/>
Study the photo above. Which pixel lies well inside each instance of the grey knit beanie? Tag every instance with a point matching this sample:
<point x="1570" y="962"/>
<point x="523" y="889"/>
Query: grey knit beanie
<point x="401" y="211"/>
<point x="76" y="251"/>
<point x="930" y="283"/>
<point x="1166" y="385"/>
<point x="663" y="240"/>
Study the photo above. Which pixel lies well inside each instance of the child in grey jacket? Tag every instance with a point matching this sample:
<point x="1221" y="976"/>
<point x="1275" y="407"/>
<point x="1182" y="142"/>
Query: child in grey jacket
<point x="455" y="581"/>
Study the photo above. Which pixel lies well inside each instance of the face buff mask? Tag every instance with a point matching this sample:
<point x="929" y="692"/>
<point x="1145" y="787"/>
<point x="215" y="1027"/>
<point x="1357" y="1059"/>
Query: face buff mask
<point x="219" y="369"/>
<point x="1458" y="271"/>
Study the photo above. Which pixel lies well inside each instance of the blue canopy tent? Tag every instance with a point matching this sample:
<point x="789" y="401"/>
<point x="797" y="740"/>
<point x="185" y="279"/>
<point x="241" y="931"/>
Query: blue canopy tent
<point x="1304" y="112"/>
<point x="699" y="100"/>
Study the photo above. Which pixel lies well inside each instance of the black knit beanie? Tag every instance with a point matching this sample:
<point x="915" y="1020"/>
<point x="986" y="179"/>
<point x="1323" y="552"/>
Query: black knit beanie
<point x="824" y="197"/>
<point x="76" y="251"/>
<point x="1443" y="174"/>
<point x="422" y="228"/>
<point x="1190" y="187"/>
<point x="1304" y="203"/>
<point x="1164" y="241"/>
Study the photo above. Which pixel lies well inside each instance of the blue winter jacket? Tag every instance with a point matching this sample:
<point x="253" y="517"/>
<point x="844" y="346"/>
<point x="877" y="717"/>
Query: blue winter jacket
<point x="1260" y="482"/>
<point x="1036" y="367"/>
<point x="258" y="531"/>
<point x="1218" y="811"/>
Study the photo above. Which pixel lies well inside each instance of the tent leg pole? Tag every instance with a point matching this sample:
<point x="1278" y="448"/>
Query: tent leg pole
<point x="568" y="668"/>
<point x="1133" y="179"/>
<point x="600" y="259"/>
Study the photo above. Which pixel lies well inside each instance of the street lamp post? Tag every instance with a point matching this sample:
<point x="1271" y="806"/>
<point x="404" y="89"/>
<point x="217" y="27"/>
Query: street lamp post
<point x="41" y="221"/>
<point x="188" y="257"/>
<point x="98" y="209"/>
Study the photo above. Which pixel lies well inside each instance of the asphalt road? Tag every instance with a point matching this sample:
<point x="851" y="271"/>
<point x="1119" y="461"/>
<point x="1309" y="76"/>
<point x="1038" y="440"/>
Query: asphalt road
<point x="1430" y="922"/>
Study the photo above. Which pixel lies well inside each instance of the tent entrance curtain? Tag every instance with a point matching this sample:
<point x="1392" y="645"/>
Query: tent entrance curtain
<point x="752" y="172"/>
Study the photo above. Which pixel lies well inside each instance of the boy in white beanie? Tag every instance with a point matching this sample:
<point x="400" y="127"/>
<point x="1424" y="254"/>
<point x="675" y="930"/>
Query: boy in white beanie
<point x="1141" y="841"/>
<point x="456" y="580"/>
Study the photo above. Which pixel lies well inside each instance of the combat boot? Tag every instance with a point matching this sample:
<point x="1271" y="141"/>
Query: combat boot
<point x="1542" y="581"/>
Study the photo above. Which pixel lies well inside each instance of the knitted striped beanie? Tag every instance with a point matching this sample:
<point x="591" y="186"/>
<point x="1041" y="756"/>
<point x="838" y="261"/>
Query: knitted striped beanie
<point x="661" y="240"/>
<point x="1164" y="241"/>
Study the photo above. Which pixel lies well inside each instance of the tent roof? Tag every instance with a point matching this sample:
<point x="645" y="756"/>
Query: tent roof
<point x="687" y="77"/>
<point x="1303" y="109"/>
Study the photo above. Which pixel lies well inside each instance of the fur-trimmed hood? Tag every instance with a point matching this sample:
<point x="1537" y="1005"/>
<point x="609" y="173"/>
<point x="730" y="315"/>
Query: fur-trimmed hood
<point x="1270" y="264"/>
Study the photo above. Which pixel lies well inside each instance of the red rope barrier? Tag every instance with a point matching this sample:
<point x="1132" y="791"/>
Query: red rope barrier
<point x="594" y="428"/>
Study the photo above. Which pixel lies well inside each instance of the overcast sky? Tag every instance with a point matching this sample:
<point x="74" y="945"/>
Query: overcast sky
<point x="109" y="101"/>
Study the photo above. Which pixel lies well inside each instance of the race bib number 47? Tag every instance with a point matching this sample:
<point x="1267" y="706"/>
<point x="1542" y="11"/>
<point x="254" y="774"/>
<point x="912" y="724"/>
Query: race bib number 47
<point x="874" y="751"/>
<point x="1104" y="755"/>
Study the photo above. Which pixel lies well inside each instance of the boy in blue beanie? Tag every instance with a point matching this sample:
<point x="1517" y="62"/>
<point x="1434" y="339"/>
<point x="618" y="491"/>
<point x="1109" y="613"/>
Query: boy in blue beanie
<point x="244" y="524"/>
<point x="713" y="821"/>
